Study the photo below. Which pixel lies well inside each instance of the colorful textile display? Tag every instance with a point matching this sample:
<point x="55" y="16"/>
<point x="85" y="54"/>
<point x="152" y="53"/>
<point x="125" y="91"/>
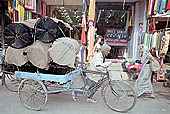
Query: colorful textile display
<point x="158" y="7"/>
<point x="156" y="40"/>
<point x="22" y="9"/>
<point x="132" y="64"/>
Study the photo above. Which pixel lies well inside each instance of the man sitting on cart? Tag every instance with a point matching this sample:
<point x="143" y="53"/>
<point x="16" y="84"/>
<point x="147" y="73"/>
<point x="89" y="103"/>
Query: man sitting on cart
<point x="95" y="64"/>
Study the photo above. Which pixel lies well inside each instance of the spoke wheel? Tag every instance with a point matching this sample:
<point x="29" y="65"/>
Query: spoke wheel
<point x="33" y="94"/>
<point x="10" y="82"/>
<point x="119" y="96"/>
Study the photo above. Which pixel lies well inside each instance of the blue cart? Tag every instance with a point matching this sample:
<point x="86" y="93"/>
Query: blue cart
<point x="33" y="89"/>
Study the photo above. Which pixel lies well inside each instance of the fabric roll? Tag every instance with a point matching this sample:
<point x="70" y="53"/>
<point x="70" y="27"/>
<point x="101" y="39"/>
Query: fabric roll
<point x="152" y="9"/>
<point x="156" y="34"/>
<point x="21" y="13"/>
<point x="149" y="5"/>
<point x="168" y="5"/>
<point x="40" y="7"/>
<point x="44" y="10"/>
<point x="150" y="42"/>
<point x="163" y="6"/>
<point x="159" y="42"/>
<point x="158" y="6"/>
<point x="155" y="6"/>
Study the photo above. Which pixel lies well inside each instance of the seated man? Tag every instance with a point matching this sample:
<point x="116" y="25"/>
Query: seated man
<point x="91" y="79"/>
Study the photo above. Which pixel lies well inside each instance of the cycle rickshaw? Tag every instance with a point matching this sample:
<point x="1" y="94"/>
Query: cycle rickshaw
<point x="34" y="87"/>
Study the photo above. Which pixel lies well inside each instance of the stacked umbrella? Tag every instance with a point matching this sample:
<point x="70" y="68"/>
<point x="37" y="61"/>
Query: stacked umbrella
<point x="43" y="43"/>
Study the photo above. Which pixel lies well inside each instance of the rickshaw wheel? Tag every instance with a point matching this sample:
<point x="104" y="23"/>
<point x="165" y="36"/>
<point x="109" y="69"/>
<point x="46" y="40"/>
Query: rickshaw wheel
<point x="10" y="82"/>
<point x="33" y="94"/>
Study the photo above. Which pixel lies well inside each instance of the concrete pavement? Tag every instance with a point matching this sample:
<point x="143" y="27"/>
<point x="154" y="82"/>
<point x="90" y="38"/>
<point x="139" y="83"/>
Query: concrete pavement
<point x="63" y="104"/>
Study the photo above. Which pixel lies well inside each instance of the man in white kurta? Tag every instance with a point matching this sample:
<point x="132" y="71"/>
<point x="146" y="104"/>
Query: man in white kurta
<point x="97" y="60"/>
<point x="91" y="79"/>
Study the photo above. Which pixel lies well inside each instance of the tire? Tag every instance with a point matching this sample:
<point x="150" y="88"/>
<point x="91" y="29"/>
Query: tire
<point x="33" y="94"/>
<point x="119" y="96"/>
<point x="10" y="82"/>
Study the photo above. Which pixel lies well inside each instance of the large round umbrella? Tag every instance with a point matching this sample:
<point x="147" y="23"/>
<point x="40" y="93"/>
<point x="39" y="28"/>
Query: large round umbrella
<point x="15" y="56"/>
<point x="37" y="54"/>
<point x="64" y="50"/>
<point x="46" y="30"/>
<point x="64" y="31"/>
<point x="30" y="22"/>
<point x="18" y="35"/>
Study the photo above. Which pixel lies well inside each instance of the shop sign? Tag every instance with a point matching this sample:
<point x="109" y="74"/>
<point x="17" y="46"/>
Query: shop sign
<point x="116" y="36"/>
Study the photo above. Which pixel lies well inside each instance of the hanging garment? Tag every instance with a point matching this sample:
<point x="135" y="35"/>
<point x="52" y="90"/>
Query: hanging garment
<point x="159" y="5"/>
<point x="148" y="36"/>
<point x="91" y="34"/>
<point x="15" y="15"/>
<point x="83" y="33"/>
<point x="37" y="6"/>
<point x="148" y="40"/>
<point x="159" y="42"/>
<point x="168" y="5"/>
<point x="21" y="13"/>
<point x="44" y="10"/>
<point x="152" y="10"/>
<point x="40" y="7"/>
<point x="10" y="11"/>
<point x="154" y="39"/>
<point x="163" y="6"/>
<point x="149" y="5"/>
<point x="155" y="6"/>
<point x="29" y="4"/>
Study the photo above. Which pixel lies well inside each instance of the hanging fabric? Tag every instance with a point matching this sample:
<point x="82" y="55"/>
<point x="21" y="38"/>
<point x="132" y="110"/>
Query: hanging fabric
<point x="29" y="4"/>
<point x="158" y="6"/>
<point x="15" y="15"/>
<point x="168" y="5"/>
<point x="35" y="6"/>
<point x="163" y="6"/>
<point x="21" y="13"/>
<point x="40" y="7"/>
<point x="44" y="10"/>
<point x="159" y="41"/>
<point x="155" y="35"/>
<point x="152" y="8"/>
<point x="155" y="6"/>
<point x="149" y="5"/>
